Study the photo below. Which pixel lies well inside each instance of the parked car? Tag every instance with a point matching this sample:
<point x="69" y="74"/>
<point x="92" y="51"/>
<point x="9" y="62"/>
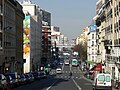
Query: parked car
<point x="102" y="81"/>
<point x="10" y="81"/>
<point x="27" y="76"/>
<point x="36" y="75"/>
<point x="31" y="77"/>
<point x="22" y="79"/>
<point x="42" y="74"/>
<point x="3" y="82"/>
<point x="14" y="78"/>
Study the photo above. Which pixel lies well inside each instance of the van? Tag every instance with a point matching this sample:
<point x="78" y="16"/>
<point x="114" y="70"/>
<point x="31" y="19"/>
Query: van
<point x="102" y="81"/>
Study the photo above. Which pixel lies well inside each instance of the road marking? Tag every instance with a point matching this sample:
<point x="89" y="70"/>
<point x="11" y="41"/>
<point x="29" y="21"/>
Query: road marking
<point x="77" y="85"/>
<point x="51" y="85"/>
<point x="63" y="67"/>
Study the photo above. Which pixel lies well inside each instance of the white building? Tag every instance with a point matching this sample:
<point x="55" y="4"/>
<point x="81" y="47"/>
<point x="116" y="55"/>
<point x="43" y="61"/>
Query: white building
<point x="32" y="36"/>
<point x="91" y="47"/>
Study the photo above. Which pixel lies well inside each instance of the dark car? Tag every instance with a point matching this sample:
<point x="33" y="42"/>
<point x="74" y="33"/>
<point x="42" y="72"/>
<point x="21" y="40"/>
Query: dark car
<point x="42" y="74"/>
<point x="14" y="78"/>
<point x="36" y="75"/>
<point x="10" y="81"/>
<point x="31" y="77"/>
<point x="22" y="79"/>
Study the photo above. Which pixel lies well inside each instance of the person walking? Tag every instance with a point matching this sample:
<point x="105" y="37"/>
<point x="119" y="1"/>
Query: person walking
<point x="70" y="74"/>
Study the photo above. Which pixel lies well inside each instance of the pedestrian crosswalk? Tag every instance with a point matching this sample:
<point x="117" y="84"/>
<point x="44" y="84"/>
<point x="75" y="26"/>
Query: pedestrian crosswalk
<point x="53" y="72"/>
<point x="68" y="77"/>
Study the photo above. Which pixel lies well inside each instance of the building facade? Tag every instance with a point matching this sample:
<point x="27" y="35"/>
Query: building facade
<point x="91" y="47"/>
<point x="108" y="35"/>
<point x="46" y="36"/>
<point x="10" y="12"/>
<point x="32" y="36"/>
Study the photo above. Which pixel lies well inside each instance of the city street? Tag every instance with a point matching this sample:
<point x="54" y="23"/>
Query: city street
<point x="60" y="81"/>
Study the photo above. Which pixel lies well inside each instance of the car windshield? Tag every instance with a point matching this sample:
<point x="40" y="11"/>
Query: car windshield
<point x="101" y="78"/>
<point x="107" y="78"/>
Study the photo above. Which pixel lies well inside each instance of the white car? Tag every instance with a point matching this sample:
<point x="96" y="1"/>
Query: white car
<point x="67" y="62"/>
<point x="102" y="81"/>
<point x="58" y="70"/>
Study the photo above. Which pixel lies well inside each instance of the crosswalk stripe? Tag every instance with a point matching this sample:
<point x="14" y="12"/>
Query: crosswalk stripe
<point x="74" y="77"/>
<point x="66" y="72"/>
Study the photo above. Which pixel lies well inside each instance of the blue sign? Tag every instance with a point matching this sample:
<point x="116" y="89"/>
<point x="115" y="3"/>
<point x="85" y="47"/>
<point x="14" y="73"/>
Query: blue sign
<point x="92" y="27"/>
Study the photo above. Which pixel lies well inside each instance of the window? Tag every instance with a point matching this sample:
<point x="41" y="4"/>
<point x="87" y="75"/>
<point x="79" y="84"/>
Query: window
<point x="92" y="36"/>
<point x="101" y="78"/>
<point x="92" y="51"/>
<point x="107" y="78"/>
<point x="93" y="58"/>
<point x="92" y="43"/>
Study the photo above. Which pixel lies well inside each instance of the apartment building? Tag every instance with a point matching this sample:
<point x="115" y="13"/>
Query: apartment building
<point x="80" y="39"/>
<point x="11" y="18"/>
<point x="100" y="22"/>
<point x="32" y="36"/>
<point x="19" y="39"/>
<point x="108" y="35"/>
<point x="46" y="36"/>
<point x="83" y="37"/>
<point x="91" y="46"/>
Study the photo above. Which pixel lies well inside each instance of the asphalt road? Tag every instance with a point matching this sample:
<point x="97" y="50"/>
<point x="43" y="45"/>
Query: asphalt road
<point x="60" y="81"/>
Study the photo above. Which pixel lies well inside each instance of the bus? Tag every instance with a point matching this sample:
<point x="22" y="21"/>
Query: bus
<point x="74" y="62"/>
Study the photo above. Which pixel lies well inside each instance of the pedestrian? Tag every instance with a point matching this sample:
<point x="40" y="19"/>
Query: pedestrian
<point x="70" y="74"/>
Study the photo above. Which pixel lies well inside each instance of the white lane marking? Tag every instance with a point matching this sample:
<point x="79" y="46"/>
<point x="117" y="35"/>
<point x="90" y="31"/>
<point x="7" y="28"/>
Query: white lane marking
<point x="63" y="67"/>
<point x="77" y="85"/>
<point x="70" y="67"/>
<point x="51" y="85"/>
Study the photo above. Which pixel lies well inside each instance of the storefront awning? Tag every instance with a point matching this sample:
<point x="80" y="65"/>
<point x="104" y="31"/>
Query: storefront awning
<point x="97" y="67"/>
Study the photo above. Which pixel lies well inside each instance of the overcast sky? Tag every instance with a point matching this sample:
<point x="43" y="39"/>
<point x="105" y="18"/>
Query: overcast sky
<point x="70" y="15"/>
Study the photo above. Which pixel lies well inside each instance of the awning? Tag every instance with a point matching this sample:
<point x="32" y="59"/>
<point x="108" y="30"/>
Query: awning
<point x="97" y="67"/>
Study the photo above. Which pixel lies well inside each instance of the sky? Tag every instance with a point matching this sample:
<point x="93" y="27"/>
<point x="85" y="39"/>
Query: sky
<point x="70" y="15"/>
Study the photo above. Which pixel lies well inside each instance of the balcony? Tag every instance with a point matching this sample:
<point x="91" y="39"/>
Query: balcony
<point x="102" y="15"/>
<point x="107" y="2"/>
